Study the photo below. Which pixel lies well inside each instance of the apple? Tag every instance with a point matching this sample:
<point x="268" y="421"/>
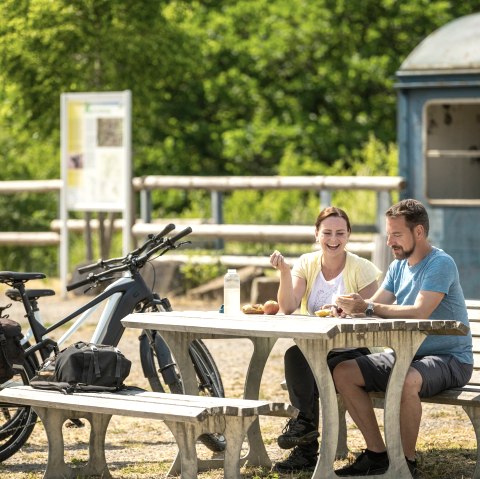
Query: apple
<point x="271" y="307"/>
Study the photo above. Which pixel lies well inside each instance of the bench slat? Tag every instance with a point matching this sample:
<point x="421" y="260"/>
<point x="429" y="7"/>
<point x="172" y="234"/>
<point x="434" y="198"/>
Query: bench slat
<point x="228" y="406"/>
<point x="149" y="403"/>
<point x="453" y="397"/>
<point x="103" y="403"/>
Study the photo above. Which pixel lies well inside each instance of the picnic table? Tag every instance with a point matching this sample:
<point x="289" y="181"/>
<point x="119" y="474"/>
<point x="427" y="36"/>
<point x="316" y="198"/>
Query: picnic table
<point x="315" y="337"/>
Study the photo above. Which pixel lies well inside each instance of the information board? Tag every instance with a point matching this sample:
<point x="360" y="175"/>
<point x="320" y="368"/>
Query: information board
<point x="95" y="159"/>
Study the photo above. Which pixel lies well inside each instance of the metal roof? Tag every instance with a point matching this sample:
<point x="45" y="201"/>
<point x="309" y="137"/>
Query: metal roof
<point x="454" y="47"/>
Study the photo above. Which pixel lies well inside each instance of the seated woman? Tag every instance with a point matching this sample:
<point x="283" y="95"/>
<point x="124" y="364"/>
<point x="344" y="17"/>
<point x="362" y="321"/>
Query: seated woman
<point x="313" y="283"/>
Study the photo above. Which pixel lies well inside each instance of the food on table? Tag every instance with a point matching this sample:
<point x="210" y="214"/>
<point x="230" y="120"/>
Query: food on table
<point x="322" y="313"/>
<point x="271" y="307"/>
<point x="252" y="308"/>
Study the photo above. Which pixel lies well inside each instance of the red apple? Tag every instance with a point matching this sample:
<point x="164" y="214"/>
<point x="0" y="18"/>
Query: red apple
<point x="271" y="307"/>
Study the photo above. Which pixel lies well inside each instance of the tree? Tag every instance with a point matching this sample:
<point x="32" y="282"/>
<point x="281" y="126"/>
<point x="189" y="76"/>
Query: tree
<point x="232" y="87"/>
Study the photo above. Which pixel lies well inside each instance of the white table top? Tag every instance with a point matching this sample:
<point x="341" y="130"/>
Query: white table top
<point x="282" y="326"/>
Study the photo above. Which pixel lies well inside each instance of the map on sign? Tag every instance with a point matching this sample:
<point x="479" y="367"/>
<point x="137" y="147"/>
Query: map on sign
<point x="96" y="154"/>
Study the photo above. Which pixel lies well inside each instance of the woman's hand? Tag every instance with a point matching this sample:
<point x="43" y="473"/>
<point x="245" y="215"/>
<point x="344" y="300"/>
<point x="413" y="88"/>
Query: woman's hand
<point x="277" y="260"/>
<point x="333" y="309"/>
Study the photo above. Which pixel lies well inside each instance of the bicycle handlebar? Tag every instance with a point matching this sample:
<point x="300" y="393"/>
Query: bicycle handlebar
<point x="167" y="245"/>
<point x="165" y="231"/>
<point x="78" y="284"/>
<point x="136" y="259"/>
<point x="152" y="239"/>
<point x="179" y="236"/>
<point x="90" y="267"/>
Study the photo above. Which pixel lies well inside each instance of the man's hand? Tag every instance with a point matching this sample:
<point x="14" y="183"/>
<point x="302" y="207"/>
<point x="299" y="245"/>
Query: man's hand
<point x="352" y="303"/>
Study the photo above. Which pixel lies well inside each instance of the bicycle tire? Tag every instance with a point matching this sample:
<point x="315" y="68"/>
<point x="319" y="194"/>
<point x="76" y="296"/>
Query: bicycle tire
<point x="159" y="368"/>
<point x="16" y="422"/>
<point x="208" y="375"/>
<point x="206" y="369"/>
<point x="156" y="358"/>
<point x="210" y="381"/>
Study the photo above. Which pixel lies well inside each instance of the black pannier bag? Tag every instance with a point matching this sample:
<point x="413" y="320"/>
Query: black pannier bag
<point x="85" y="367"/>
<point x="11" y="349"/>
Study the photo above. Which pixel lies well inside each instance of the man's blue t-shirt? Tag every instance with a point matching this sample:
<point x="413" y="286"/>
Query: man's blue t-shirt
<point x="436" y="272"/>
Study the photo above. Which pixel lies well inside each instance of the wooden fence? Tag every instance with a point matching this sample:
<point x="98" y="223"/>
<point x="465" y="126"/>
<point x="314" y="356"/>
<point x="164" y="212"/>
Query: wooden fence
<point x="215" y="228"/>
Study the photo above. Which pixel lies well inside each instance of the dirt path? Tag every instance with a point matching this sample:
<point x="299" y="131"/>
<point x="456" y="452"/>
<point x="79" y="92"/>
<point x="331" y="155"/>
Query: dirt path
<point x="143" y="449"/>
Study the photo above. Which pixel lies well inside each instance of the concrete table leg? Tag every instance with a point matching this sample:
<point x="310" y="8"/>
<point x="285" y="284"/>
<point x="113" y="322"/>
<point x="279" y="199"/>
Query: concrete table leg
<point x="186" y="435"/>
<point x="178" y="344"/>
<point x="257" y="454"/>
<point x="474" y="415"/>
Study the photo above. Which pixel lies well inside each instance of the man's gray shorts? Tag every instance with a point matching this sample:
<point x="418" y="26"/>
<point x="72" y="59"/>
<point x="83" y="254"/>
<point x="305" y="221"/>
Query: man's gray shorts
<point x="438" y="372"/>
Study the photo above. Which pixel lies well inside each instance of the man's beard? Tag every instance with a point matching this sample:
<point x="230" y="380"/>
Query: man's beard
<point x="400" y="253"/>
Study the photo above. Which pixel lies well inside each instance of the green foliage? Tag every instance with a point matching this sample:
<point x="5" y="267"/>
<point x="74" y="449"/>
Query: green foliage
<point x="42" y="259"/>
<point x="374" y="158"/>
<point x="221" y="88"/>
<point x="195" y="274"/>
<point x="245" y="87"/>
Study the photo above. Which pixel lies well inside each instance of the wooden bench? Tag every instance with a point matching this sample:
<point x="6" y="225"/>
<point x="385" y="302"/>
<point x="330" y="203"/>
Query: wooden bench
<point x="468" y="396"/>
<point x="186" y="416"/>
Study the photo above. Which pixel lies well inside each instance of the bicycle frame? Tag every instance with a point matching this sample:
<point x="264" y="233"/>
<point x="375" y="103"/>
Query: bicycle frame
<point x="121" y="297"/>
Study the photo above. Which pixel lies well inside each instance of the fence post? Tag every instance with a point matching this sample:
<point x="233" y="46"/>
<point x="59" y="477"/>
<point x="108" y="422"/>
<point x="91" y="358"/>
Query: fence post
<point x="146" y="205"/>
<point x="325" y="198"/>
<point x="382" y="255"/>
<point x="88" y="237"/>
<point x="217" y="214"/>
<point x="384" y="201"/>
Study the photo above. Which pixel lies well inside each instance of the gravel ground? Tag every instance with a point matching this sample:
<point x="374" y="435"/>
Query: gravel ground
<point x="144" y="449"/>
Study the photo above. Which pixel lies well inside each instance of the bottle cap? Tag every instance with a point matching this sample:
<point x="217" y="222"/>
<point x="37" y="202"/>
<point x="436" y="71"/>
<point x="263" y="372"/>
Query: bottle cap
<point x="231" y="270"/>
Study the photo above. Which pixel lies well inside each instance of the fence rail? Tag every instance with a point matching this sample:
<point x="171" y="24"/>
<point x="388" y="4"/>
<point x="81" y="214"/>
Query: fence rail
<point x="228" y="183"/>
<point x="232" y="183"/>
<point x="217" y="185"/>
<point x="29" y="186"/>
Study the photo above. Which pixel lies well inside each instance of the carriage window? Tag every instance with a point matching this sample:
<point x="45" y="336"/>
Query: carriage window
<point x="452" y="152"/>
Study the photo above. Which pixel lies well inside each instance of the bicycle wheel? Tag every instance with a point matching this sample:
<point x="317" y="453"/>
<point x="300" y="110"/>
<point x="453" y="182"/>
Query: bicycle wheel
<point x="206" y="369"/>
<point x="16" y="422"/>
<point x="156" y="358"/>
<point x="210" y="382"/>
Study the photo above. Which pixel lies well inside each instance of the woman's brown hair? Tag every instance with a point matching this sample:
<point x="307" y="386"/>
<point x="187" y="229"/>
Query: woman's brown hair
<point x="332" y="211"/>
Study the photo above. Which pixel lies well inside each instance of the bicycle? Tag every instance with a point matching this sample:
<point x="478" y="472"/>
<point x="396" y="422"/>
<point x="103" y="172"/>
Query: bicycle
<point x="126" y="294"/>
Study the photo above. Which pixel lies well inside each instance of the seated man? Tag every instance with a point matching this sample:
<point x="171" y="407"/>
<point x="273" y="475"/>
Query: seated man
<point x="422" y="282"/>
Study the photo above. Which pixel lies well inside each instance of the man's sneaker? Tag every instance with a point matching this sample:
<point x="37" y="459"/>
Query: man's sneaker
<point x="296" y="433"/>
<point x="412" y="466"/>
<point x="298" y="460"/>
<point x="368" y="463"/>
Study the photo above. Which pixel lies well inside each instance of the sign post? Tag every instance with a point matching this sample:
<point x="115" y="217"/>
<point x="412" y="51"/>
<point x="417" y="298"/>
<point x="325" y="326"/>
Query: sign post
<point x="96" y="161"/>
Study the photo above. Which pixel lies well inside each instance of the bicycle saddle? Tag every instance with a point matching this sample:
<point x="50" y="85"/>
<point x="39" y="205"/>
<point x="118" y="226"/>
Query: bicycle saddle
<point x="6" y="276"/>
<point x="14" y="294"/>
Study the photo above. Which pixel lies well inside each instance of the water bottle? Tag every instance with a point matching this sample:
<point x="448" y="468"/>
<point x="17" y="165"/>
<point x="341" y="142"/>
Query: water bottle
<point x="231" y="292"/>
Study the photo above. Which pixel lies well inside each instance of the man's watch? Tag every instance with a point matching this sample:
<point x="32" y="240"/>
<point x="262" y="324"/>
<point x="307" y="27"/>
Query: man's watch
<point x="370" y="310"/>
